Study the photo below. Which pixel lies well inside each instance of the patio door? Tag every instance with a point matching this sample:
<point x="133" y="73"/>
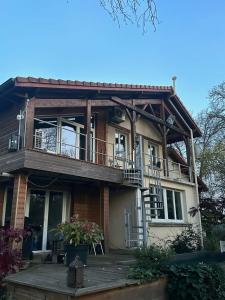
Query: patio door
<point x="45" y="210"/>
<point x="73" y="139"/>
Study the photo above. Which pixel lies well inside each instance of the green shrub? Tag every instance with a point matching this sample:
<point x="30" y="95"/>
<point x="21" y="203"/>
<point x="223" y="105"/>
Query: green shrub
<point x="211" y="243"/>
<point x="187" y="241"/>
<point x="194" y="282"/>
<point x="150" y="263"/>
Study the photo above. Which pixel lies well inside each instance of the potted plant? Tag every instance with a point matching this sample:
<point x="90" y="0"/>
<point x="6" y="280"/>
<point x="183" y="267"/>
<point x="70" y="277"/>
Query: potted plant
<point x="77" y="236"/>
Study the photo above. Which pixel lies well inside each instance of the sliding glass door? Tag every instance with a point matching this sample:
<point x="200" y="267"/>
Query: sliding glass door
<point x="46" y="209"/>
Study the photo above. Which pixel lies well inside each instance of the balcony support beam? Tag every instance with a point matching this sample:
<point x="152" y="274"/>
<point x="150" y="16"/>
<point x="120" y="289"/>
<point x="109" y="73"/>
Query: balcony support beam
<point x="148" y="116"/>
<point x="87" y="130"/>
<point x="164" y="139"/>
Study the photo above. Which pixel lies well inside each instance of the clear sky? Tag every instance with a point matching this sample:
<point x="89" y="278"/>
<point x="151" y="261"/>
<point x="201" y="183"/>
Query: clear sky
<point x="76" y="39"/>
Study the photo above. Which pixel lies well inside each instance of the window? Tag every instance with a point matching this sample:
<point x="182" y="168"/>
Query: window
<point x="173" y="209"/>
<point x="153" y="155"/>
<point x="64" y="135"/>
<point x="120" y="144"/>
<point x="46" y="135"/>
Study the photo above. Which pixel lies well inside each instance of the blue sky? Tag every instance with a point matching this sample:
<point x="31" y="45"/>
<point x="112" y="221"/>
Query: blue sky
<point x="76" y="39"/>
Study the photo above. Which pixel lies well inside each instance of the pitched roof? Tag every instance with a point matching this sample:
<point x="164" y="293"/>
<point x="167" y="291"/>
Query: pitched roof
<point x="29" y="81"/>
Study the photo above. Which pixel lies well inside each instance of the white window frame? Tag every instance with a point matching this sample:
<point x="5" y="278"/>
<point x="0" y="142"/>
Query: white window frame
<point x="151" y="157"/>
<point x="65" y="212"/>
<point x="121" y="157"/>
<point x="166" y="219"/>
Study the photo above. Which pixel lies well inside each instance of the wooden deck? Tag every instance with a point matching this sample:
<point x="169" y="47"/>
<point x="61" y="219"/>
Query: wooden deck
<point x="102" y="273"/>
<point x="104" y="278"/>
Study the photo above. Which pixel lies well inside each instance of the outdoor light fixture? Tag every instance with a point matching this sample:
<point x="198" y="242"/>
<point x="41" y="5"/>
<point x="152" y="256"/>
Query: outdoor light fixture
<point x="170" y="120"/>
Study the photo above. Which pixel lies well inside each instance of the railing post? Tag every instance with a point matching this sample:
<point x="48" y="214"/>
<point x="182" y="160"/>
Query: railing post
<point x="179" y="171"/>
<point x="114" y="155"/>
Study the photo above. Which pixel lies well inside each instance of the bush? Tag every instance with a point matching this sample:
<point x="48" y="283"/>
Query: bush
<point x="150" y="263"/>
<point x="194" y="282"/>
<point x="188" y="241"/>
<point x="10" y="258"/>
<point x="214" y="235"/>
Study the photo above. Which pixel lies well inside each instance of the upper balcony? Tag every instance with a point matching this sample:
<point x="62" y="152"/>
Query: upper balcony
<point x="63" y="147"/>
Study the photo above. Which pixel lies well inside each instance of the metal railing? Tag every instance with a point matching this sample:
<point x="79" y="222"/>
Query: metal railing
<point x="65" y="142"/>
<point x="167" y="168"/>
<point x="52" y="138"/>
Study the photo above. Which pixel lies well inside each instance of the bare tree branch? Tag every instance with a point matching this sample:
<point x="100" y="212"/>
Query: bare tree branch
<point x="141" y="12"/>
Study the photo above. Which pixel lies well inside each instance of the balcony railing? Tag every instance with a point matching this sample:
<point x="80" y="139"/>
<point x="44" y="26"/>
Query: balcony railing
<point x="65" y="142"/>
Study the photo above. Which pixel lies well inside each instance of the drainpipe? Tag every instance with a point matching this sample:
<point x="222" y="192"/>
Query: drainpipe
<point x="193" y="162"/>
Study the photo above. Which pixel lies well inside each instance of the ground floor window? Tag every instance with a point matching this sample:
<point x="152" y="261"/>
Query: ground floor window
<point x="173" y="209"/>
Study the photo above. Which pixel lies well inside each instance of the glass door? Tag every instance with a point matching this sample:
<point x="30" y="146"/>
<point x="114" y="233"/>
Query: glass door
<point x="46" y="209"/>
<point x="55" y="215"/>
<point x="36" y="217"/>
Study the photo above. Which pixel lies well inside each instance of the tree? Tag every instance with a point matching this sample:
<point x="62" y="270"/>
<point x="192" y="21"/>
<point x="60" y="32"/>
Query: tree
<point x="211" y="162"/>
<point x="140" y="12"/>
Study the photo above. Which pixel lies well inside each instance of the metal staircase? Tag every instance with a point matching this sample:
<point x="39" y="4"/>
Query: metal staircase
<point x="151" y="199"/>
<point x="151" y="205"/>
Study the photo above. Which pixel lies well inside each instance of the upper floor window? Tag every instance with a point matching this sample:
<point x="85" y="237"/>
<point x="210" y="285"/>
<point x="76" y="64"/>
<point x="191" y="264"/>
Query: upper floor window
<point x="153" y="155"/>
<point x="120" y="144"/>
<point x="45" y="134"/>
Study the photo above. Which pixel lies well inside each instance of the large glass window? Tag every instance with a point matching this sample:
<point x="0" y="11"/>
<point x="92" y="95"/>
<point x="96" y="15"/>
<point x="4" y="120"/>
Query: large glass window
<point x="45" y="135"/>
<point x="69" y="140"/>
<point x="54" y="215"/>
<point x="64" y="135"/>
<point x="36" y="217"/>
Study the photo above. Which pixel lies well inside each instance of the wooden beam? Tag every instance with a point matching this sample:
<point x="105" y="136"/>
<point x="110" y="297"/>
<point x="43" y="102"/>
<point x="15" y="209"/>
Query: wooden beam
<point x="77" y="102"/>
<point x="29" y="124"/>
<point x="19" y="201"/>
<point x="148" y="116"/>
<point x="104" y="200"/>
<point x="164" y="145"/>
<point x="133" y="129"/>
<point x="87" y="129"/>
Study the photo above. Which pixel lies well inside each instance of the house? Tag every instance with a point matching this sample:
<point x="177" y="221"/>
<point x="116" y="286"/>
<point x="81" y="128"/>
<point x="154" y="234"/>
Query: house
<point x="99" y="150"/>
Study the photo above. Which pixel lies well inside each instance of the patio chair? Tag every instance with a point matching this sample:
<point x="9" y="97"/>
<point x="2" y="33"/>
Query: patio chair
<point x="97" y="244"/>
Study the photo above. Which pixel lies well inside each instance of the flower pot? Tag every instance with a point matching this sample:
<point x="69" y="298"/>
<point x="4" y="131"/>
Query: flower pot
<point x="72" y="251"/>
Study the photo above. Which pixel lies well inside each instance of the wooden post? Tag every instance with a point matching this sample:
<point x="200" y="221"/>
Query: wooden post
<point x="164" y="144"/>
<point x="104" y="199"/>
<point x="29" y="124"/>
<point x="19" y="201"/>
<point x="87" y="129"/>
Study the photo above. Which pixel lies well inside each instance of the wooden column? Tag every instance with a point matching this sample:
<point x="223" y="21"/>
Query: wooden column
<point x="2" y="196"/>
<point x="29" y="124"/>
<point x="19" y="201"/>
<point x="164" y="141"/>
<point x="104" y="198"/>
<point x="87" y="129"/>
